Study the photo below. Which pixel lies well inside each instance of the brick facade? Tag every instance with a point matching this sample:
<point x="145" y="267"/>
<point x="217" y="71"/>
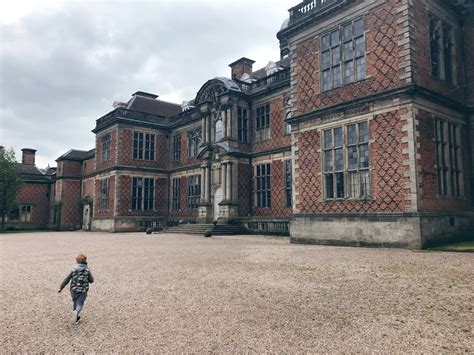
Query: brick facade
<point x="394" y="93"/>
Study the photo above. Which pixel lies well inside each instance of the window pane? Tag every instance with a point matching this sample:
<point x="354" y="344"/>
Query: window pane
<point x="359" y="47"/>
<point x="348" y="51"/>
<point x="349" y="72"/>
<point x="338" y="137"/>
<point x="360" y="68"/>
<point x="326" y="42"/>
<point x="335" y="38"/>
<point x="348" y="32"/>
<point x="352" y="157"/>
<point x="337" y="80"/>
<point x="329" y="186"/>
<point x="328" y="139"/>
<point x="364" y="156"/>
<point x="326" y="82"/>
<point x="354" y="185"/>
<point x="336" y="56"/>
<point x="364" y="184"/>
<point x="340" y="185"/>
<point x="351" y="134"/>
<point x="339" y="159"/>
<point x="326" y="59"/>
<point x="363" y="132"/>
<point x="328" y="161"/>
<point x="359" y="28"/>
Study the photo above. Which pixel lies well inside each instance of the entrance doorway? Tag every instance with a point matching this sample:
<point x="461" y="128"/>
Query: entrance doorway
<point x="217" y="200"/>
<point x="87" y="217"/>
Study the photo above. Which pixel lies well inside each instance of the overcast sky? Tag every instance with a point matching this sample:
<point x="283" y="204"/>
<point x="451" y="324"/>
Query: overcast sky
<point x="63" y="63"/>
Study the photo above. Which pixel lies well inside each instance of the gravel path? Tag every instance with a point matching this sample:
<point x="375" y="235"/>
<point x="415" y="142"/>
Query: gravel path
<point x="176" y="293"/>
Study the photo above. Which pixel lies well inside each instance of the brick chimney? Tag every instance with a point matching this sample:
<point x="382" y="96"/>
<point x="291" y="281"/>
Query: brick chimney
<point x="241" y="67"/>
<point x="28" y="156"/>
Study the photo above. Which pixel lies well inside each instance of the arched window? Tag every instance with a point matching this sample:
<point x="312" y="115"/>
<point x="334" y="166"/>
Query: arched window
<point x="218" y="129"/>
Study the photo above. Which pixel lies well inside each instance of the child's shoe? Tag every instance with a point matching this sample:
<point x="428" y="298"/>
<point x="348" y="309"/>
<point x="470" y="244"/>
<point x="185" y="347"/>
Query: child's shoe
<point x="74" y="317"/>
<point x="78" y="319"/>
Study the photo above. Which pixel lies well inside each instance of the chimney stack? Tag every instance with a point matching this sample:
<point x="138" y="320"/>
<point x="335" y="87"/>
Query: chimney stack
<point x="28" y="156"/>
<point x="241" y="67"/>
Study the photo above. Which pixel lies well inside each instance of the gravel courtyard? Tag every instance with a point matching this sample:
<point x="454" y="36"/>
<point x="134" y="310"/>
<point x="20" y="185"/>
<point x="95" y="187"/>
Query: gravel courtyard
<point x="178" y="293"/>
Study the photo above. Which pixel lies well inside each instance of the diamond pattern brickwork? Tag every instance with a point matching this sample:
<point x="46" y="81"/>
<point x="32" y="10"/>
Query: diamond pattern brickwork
<point x="388" y="173"/>
<point x="38" y="195"/>
<point x="244" y="189"/>
<point x="382" y="69"/>
<point x="71" y="208"/>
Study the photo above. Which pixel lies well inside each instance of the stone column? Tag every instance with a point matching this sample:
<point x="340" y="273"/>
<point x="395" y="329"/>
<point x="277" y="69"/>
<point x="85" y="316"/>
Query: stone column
<point x="228" y="193"/>
<point x="235" y="182"/>
<point x="224" y="180"/>
<point x="204" y="185"/>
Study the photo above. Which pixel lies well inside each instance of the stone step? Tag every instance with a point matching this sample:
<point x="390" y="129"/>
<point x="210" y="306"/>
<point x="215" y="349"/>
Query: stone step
<point x="219" y="229"/>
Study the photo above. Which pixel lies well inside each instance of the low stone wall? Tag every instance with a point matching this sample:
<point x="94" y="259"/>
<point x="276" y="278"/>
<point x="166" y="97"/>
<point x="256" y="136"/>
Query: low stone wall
<point x="411" y="231"/>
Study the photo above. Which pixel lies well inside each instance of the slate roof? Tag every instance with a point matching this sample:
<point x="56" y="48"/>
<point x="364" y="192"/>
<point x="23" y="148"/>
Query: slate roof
<point x="30" y="172"/>
<point x="74" y="154"/>
<point x="153" y="106"/>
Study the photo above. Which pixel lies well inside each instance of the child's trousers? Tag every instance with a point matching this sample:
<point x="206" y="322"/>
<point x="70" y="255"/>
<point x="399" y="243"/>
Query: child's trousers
<point x="78" y="299"/>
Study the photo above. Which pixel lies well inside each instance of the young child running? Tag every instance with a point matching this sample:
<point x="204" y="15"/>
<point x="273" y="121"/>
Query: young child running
<point x="80" y="278"/>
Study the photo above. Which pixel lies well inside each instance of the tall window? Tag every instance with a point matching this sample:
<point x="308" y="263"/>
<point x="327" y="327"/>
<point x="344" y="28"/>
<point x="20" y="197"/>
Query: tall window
<point x="448" y="158"/>
<point x="288" y="183"/>
<point x="355" y="150"/>
<point x="358" y="160"/>
<point x="343" y="55"/>
<point x="443" y="59"/>
<point x="177" y="147"/>
<point x="242" y="125"/>
<point x="218" y="129"/>
<point x="175" y="193"/>
<point x="194" y="141"/>
<point x="143" y="146"/>
<point x="288" y="114"/>
<point x="263" y="188"/>
<point x="104" y="195"/>
<point x="105" y="142"/>
<point x="262" y="123"/>
<point x="143" y="194"/>
<point x="194" y="191"/>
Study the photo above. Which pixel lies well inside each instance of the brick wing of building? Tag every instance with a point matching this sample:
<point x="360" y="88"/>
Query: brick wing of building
<point x="359" y="135"/>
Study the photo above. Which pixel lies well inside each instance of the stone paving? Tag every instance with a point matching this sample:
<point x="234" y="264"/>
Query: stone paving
<point x="180" y="293"/>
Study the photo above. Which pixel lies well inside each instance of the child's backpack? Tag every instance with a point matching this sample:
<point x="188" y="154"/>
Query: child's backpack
<point x="80" y="280"/>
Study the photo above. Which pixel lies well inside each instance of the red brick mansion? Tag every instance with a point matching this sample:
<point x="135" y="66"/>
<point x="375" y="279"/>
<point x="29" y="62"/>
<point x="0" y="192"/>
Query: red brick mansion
<point x="359" y="135"/>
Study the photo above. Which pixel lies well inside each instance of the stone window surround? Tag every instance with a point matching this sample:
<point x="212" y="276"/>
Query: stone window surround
<point x="105" y="140"/>
<point x="262" y="123"/>
<point x="445" y="190"/>
<point x="104" y="193"/>
<point x="265" y="192"/>
<point x="194" y="191"/>
<point x="175" y="193"/>
<point x="141" y="195"/>
<point x="340" y="26"/>
<point x="147" y="151"/>
<point x="343" y="125"/>
<point x="194" y="141"/>
<point x="176" y="141"/>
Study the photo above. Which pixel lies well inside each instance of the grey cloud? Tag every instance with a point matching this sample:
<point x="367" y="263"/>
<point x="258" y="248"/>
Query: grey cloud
<point x="61" y="71"/>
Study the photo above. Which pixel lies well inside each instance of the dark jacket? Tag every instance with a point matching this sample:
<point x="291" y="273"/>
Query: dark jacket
<point x="80" y="278"/>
